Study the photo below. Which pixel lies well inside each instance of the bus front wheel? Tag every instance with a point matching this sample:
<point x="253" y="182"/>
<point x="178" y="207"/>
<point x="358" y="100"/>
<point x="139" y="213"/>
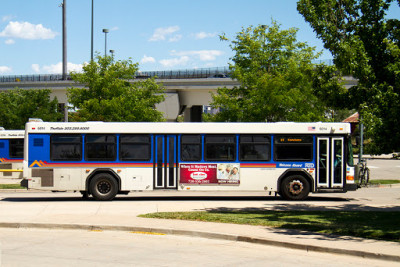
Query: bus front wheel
<point x="103" y="187"/>
<point x="295" y="187"/>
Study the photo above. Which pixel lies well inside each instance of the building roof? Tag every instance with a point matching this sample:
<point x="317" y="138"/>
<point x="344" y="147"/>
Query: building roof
<point x="353" y="118"/>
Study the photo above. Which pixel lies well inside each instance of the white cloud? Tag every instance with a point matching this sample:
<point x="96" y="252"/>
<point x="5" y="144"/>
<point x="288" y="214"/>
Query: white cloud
<point x="184" y="57"/>
<point x="56" y="68"/>
<point x="203" y="55"/>
<point x="147" y="59"/>
<point x="175" y="38"/>
<point x="203" y="35"/>
<point x="114" y="28"/>
<point x="5" y="69"/>
<point x="7" y="18"/>
<point x="35" y="68"/>
<point x="26" y="30"/>
<point x="161" y="34"/>
<point x="9" y="41"/>
<point x="174" y="61"/>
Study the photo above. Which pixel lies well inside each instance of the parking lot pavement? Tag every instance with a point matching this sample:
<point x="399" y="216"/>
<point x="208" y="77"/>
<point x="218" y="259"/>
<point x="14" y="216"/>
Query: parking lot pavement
<point x="383" y="169"/>
<point x="69" y="211"/>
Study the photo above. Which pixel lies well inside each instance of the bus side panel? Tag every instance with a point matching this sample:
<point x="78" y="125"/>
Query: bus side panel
<point x="4" y="151"/>
<point x="250" y="179"/>
<point x="43" y="175"/>
<point x="68" y="179"/>
<point x="259" y="178"/>
<point x="8" y="164"/>
<point x="39" y="150"/>
<point x="137" y="178"/>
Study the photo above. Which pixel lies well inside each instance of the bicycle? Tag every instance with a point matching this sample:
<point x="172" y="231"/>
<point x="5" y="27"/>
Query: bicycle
<point x="363" y="173"/>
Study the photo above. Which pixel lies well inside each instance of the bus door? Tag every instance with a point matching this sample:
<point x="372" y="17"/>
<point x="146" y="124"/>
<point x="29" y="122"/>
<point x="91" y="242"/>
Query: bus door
<point x="165" y="162"/>
<point x="330" y="162"/>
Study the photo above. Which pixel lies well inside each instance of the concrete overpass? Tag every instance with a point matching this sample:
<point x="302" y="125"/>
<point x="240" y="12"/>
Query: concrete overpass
<point x="186" y="93"/>
<point x="186" y="96"/>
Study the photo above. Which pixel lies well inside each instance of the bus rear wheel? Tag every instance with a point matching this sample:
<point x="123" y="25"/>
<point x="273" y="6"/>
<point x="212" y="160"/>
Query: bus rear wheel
<point x="295" y="187"/>
<point x="103" y="186"/>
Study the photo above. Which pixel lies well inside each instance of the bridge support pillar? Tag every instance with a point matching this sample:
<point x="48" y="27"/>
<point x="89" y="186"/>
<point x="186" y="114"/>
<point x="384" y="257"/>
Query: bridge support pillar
<point x="193" y="114"/>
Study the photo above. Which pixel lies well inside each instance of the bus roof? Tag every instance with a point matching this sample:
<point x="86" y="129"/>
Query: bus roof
<point x="12" y="134"/>
<point x="189" y="127"/>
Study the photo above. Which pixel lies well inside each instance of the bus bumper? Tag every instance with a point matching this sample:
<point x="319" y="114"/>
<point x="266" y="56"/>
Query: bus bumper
<point x="350" y="187"/>
<point x="24" y="183"/>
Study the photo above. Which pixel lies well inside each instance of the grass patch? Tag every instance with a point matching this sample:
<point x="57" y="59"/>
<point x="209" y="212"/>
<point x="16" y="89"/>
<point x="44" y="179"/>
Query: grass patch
<point x="384" y="181"/>
<point x="378" y="225"/>
<point x="11" y="186"/>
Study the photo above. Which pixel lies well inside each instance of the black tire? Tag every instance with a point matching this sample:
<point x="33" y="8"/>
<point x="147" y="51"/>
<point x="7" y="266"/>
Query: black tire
<point x="367" y="176"/>
<point x="103" y="186"/>
<point x="295" y="187"/>
<point x="85" y="195"/>
<point x="361" y="177"/>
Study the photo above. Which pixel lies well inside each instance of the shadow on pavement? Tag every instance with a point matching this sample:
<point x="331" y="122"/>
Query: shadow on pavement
<point x="174" y="198"/>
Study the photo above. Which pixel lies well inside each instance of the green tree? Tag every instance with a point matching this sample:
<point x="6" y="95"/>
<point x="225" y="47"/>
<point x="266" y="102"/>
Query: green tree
<point x="18" y="105"/>
<point x="110" y="96"/>
<point x="276" y="75"/>
<point x="364" y="44"/>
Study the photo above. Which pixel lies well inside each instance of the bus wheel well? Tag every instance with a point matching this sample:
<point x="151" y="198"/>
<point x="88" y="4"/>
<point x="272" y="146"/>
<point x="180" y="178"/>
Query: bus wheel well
<point x="296" y="172"/>
<point x="101" y="171"/>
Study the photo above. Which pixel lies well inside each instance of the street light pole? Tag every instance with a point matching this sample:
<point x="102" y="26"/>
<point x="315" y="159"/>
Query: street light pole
<point x="105" y="44"/>
<point x="64" y="51"/>
<point x="91" y="48"/>
<point x="64" y="33"/>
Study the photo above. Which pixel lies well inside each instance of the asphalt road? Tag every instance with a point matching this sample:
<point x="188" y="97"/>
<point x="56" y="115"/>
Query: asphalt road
<point x="24" y="203"/>
<point x="35" y="247"/>
<point x="45" y="247"/>
<point x="384" y="169"/>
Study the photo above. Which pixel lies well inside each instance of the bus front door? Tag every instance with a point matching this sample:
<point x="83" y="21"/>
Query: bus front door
<point x="165" y="162"/>
<point x="330" y="164"/>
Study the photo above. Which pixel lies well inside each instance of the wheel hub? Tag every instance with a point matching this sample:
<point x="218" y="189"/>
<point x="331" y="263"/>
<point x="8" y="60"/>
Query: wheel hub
<point x="296" y="187"/>
<point x="104" y="187"/>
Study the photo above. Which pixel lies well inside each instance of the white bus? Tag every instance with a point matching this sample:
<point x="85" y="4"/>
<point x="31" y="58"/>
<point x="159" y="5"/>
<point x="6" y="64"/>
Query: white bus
<point x="11" y="155"/>
<point x="104" y="159"/>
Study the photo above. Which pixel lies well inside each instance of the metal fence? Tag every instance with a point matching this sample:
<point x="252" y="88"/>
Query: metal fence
<point x="219" y="72"/>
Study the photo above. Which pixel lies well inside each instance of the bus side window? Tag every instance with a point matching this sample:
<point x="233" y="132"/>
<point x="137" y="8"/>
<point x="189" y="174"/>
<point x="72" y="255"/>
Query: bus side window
<point x="16" y="148"/>
<point x="135" y="147"/>
<point x="63" y="147"/>
<point x="100" y="147"/>
<point x="220" y="147"/>
<point x="254" y="148"/>
<point x="191" y="147"/>
<point x="293" y="148"/>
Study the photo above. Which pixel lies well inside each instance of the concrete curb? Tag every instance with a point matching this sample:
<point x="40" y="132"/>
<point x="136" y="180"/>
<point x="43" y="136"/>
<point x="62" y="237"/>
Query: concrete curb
<point x="17" y="190"/>
<point x="383" y="185"/>
<point x="211" y="235"/>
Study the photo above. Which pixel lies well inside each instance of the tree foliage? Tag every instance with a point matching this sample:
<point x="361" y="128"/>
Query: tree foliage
<point x="18" y="105"/>
<point x="276" y="75"/>
<point x="110" y="96"/>
<point x="364" y="44"/>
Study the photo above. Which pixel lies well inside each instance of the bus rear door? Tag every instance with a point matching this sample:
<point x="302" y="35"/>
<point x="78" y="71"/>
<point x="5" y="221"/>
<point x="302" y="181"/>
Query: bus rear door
<point x="165" y="162"/>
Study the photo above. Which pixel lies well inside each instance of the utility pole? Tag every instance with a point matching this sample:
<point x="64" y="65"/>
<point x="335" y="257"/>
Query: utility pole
<point x="91" y="49"/>
<point x="361" y="151"/>
<point x="64" y="51"/>
<point x="64" y="32"/>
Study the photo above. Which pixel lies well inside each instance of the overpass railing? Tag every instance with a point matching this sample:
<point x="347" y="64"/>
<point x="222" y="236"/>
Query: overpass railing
<point x="220" y="72"/>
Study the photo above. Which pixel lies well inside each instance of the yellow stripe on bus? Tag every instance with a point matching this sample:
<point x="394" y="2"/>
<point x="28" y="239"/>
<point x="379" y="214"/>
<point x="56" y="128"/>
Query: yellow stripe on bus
<point x="8" y="170"/>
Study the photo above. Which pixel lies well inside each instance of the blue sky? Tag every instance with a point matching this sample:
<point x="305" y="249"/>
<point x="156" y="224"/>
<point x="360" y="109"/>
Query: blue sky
<point x="160" y="35"/>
